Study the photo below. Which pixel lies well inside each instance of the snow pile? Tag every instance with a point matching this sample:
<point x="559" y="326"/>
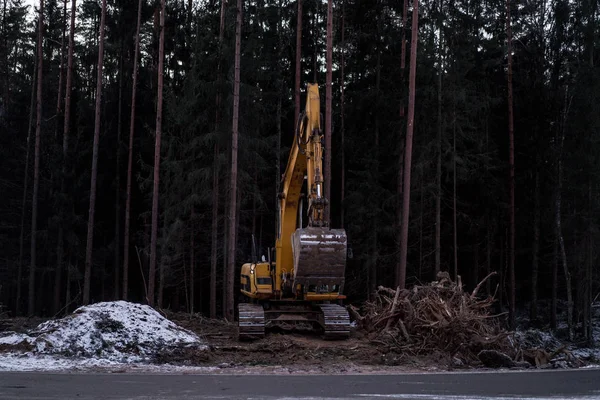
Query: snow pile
<point x="114" y="331"/>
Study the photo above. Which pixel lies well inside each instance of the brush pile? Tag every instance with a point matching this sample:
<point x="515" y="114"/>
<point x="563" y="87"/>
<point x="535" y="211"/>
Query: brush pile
<point x="439" y="316"/>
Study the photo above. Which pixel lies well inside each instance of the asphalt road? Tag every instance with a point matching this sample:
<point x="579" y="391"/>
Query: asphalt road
<point x="573" y="384"/>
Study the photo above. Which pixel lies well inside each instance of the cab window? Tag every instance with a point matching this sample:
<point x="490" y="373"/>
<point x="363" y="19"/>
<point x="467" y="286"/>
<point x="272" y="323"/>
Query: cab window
<point x="263" y="281"/>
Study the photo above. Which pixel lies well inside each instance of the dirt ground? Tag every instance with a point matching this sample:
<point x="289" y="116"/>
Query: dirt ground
<point x="296" y="352"/>
<point x="283" y="353"/>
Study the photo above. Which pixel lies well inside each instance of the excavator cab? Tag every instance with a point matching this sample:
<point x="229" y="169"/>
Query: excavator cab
<point x="255" y="280"/>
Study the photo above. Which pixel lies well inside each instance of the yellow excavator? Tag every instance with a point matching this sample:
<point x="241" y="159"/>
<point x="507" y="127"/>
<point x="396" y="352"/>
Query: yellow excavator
<point x="301" y="289"/>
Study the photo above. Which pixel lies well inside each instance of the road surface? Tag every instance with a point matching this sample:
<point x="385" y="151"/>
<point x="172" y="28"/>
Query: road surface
<point x="572" y="384"/>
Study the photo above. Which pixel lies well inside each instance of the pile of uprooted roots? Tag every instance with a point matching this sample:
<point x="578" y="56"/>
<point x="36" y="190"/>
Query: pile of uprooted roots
<point x="439" y="316"/>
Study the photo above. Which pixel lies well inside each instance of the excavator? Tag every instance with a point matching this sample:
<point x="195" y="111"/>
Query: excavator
<point x="300" y="287"/>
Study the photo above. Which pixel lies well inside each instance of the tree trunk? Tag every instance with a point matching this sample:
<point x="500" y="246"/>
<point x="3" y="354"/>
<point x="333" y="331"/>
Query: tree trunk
<point x="24" y="201"/>
<point x="328" y="105"/>
<point x="229" y="312"/>
<point x="399" y="186"/>
<point x="161" y="272"/>
<point x="192" y="258"/>
<point x="589" y="273"/>
<point x="66" y="130"/>
<point x="90" y="232"/>
<point x="502" y="273"/>
<point x="563" y="254"/>
<point x="36" y="164"/>
<point x="475" y="263"/>
<point x="298" y="61"/>
<point x="117" y="259"/>
<point x="214" y="234"/>
<point x="535" y="250"/>
<point x="159" y="105"/>
<point x="558" y="216"/>
<point x="488" y="259"/>
<point x="342" y="120"/>
<point x="403" y="55"/>
<point x="126" y="244"/>
<point x="61" y="69"/>
<point x="372" y="286"/>
<point x="401" y="275"/>
<point x="59" y="266"/>
<point x="488" y="223"/>
<point x="68" y="288"/>
<point x="554" y="299"/>
<point x="317" y="33"/>
<point x="401" y="147"/>
<point x="185" y="288"/>
<point x="254" y="201"/>
<point x="511" y="138"/>
<point x="454" y="208"/>
<point x="279" y="106"/>
<point x="438" y="175"/>
<point x="5" y="53"/>
<point x="421" y="218"/>
<point x="225" y="265"/>
<point x="215" y="189"/>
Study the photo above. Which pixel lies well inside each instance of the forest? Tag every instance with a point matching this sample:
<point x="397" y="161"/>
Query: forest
<point x="142" y="145"/>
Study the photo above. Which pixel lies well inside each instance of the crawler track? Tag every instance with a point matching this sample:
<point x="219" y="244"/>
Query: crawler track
<point x="336" y="321"/>
<point x="251" y="321"/>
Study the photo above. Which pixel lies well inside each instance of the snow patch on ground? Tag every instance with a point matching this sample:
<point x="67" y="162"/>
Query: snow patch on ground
<point x="535" y="338"/>
<point x="13" y="338"/>
<point x="102" y="334"/>
<point x="549" y="341"/>
<point x="37" y="362"/>
<point x="42" y="362"/>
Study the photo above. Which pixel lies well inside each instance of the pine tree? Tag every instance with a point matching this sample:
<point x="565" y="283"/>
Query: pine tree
<point x="159" y="106"/>
<point x="215" y="186"/>
<point x="511" y="265"/>
<point x="90" y="230"/>
<point x="438" y="175"/>
<point x="126" y="240"/>
<point x="36" y="165"/>
<point x="231" y="249"/>
<point x="401" y="279"/>
<point x="342" y="118"/>
<point x="328" y="105"/>
<point x="65" y="150"/>
<point x="298" y="61"/>
<point x="23" y="202"/>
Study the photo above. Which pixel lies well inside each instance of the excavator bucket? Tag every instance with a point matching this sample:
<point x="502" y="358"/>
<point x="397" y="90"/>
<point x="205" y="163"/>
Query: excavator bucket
<point x="320" y="258"/>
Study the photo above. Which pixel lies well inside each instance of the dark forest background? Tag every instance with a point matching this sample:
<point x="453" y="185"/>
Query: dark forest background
<point x="461" y="119"/>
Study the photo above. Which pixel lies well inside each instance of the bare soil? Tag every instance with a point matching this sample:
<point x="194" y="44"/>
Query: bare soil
<point x="296" y="352"/>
